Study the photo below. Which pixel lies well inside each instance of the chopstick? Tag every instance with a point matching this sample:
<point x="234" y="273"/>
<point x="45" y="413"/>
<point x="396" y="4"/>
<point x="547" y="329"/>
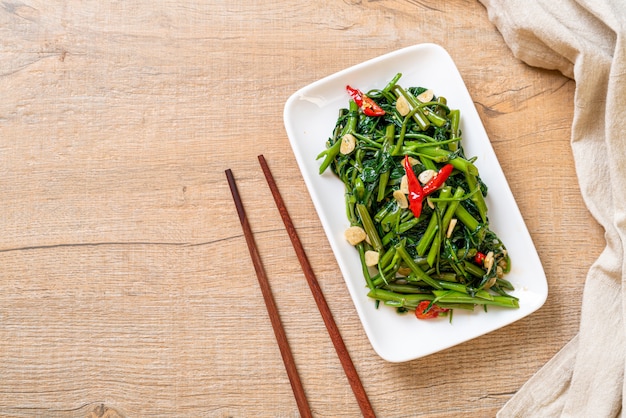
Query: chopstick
<point x="272" y="310"/>
<point x="331" y="326"/>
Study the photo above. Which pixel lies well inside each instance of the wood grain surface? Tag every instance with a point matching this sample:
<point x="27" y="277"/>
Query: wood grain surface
<point x="126" y="288"/>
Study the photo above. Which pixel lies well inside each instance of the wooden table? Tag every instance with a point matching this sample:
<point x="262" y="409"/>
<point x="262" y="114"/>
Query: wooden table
<point x="126" y="285"/>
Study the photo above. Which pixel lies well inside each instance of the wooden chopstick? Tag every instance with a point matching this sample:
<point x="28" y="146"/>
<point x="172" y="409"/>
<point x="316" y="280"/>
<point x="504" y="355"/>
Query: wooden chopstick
<point x="331" y="326"/>
<point x="279" y="332"/>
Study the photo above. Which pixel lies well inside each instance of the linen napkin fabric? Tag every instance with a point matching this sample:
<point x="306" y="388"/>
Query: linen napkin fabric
<point x="585" y="40"/>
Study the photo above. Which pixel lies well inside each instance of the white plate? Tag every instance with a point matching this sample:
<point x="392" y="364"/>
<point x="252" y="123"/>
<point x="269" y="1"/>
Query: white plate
<point x="310" y="115"/>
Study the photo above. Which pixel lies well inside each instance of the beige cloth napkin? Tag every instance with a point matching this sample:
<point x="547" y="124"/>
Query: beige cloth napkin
<point x="586" y="41"/>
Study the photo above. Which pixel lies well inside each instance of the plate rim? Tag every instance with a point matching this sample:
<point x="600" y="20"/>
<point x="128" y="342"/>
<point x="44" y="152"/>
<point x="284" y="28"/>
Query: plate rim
<point x="302" y="92"/>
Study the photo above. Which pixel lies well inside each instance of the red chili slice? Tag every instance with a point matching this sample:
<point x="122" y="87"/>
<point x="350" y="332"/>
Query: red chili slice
<point x="479" y="258"/>
<point x="369" y="106"/>
<point x="438" y="179"/>
<point x="422" y="311"/>
<point x="416" y="193"/>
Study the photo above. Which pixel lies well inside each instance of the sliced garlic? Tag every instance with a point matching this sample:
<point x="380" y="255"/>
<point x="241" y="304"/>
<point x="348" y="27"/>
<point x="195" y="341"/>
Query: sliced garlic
<point x="355" y="235"/>
<point x="426" y="96"/>
<point x="488" y="261"/>
<point x="402" y="106"/>
<point x="451" y="226"/>
<point x="413" y="161"/>
<point x="426" y="176"/>
<point x="404" y="184"/>
<point x="348" y="143"/>
<point x="400" y="197"/>
<point x="371" y="258"/>
<point x="490" y="283"/>
<point x="499" y="272"/>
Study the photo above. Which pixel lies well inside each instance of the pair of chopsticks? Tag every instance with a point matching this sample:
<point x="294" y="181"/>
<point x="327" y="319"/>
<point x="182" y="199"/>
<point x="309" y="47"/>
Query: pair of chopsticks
<point x="279" y="332"/>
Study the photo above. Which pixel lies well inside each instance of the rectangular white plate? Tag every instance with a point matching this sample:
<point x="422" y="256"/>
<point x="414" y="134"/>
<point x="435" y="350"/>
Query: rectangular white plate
<point x="310" y="115"/>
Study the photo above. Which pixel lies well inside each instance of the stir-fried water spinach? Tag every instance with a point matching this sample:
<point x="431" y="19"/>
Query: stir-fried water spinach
<point x="416" y="204"/>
